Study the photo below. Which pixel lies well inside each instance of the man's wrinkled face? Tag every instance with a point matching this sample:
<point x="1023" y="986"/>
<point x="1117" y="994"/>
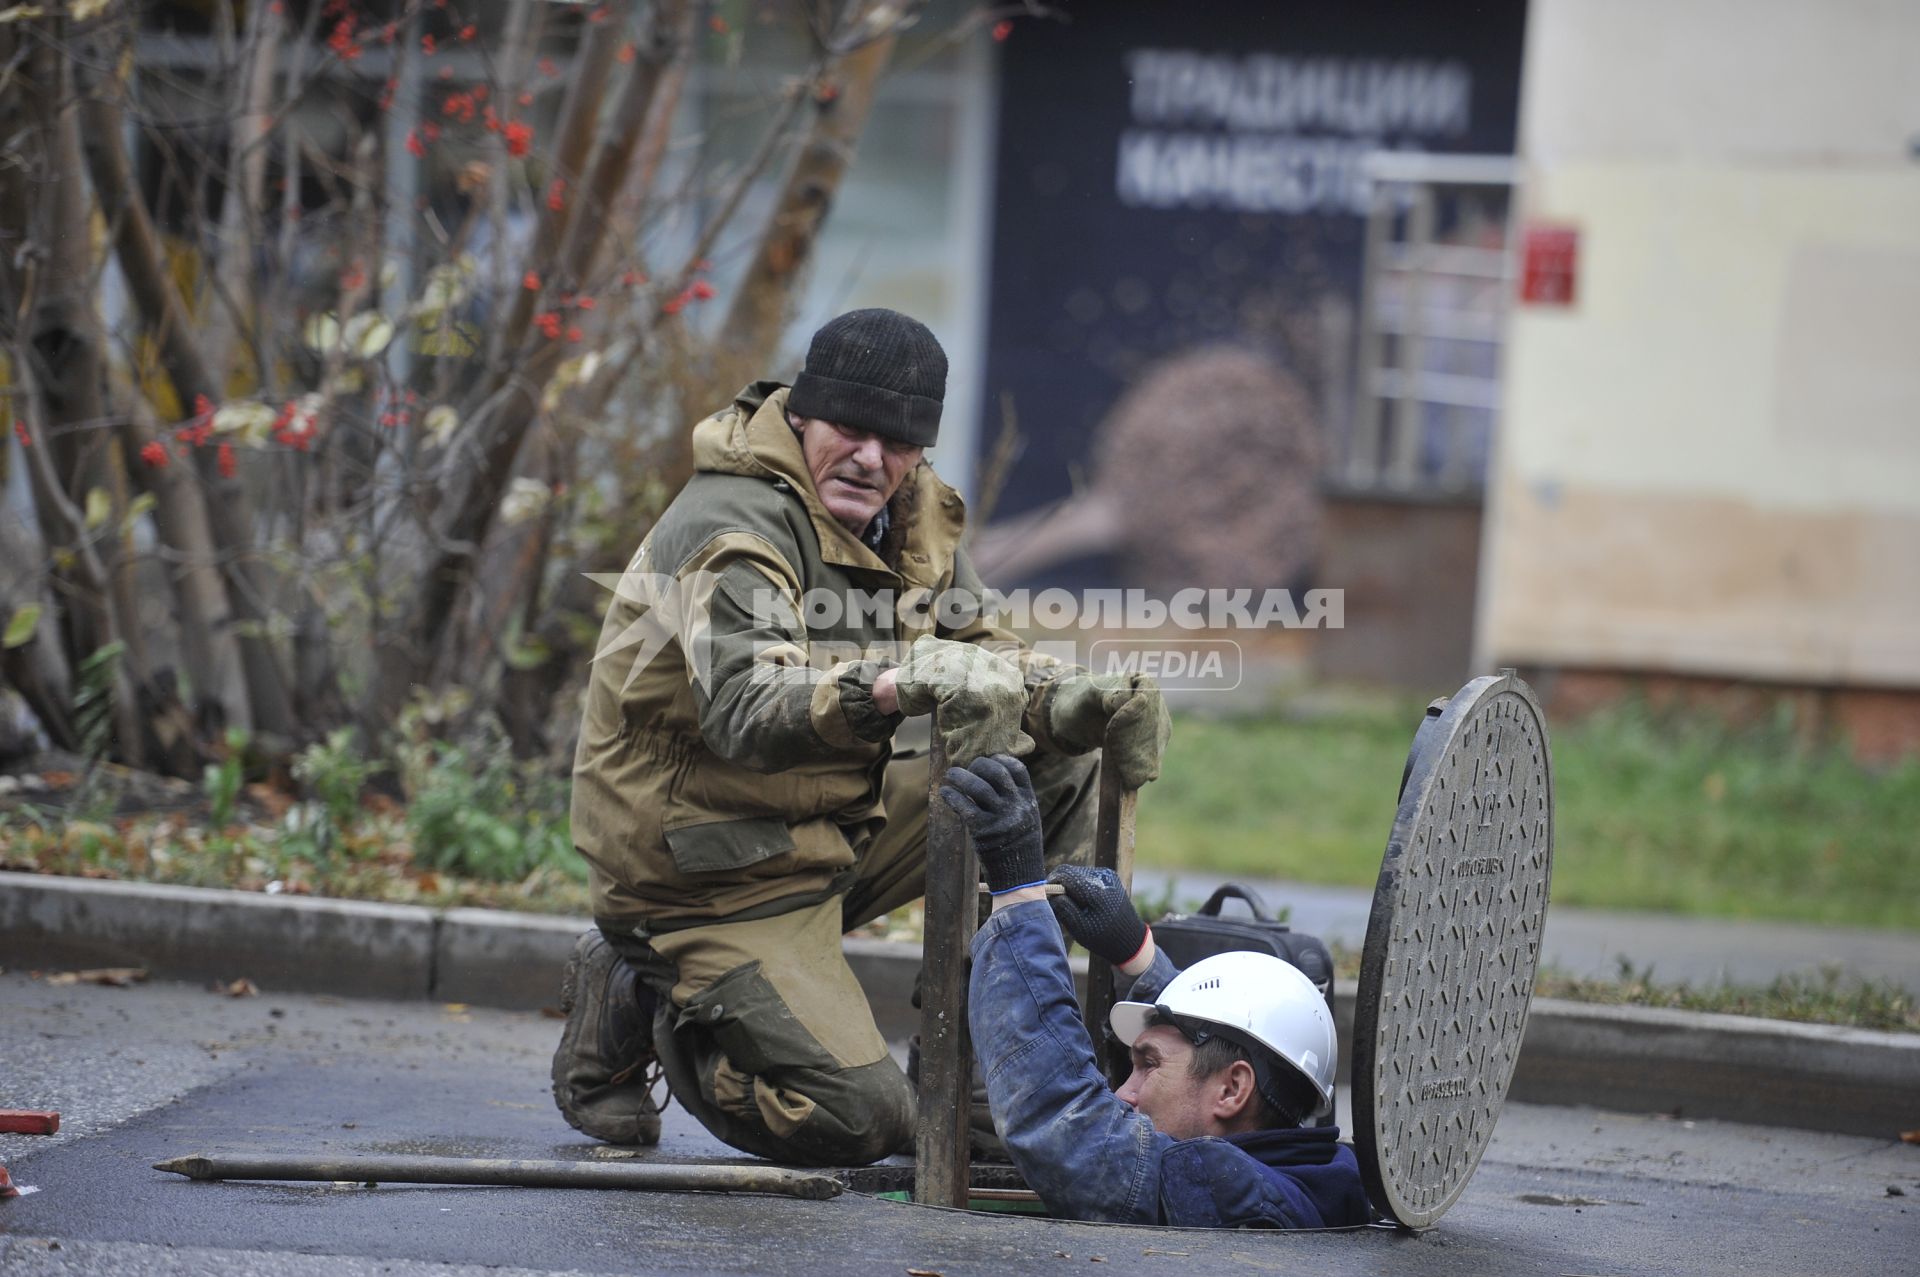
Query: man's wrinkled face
<point x="1179" y="1105"/>
<point x="855" y="472"/>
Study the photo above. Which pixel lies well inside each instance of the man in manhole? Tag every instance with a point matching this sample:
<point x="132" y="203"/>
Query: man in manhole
<point x="735" y="792"/>
<point x="1229" y="1056"/>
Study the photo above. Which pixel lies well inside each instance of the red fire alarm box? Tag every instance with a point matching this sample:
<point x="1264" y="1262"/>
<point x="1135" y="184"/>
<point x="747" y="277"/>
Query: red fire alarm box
<point x="1549" y="263"/>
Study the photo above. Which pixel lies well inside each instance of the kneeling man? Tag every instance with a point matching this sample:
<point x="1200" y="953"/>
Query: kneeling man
<point x="1228" y="1057"/>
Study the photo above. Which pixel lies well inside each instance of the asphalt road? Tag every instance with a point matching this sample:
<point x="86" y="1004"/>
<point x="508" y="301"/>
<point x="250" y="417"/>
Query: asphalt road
<point x="152" y="1072"/>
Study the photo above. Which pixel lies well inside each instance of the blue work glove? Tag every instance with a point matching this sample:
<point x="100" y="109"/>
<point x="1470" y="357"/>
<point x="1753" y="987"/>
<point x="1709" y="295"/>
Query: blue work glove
<point x="1096" y="910"/>
<point x="994" y="796"/>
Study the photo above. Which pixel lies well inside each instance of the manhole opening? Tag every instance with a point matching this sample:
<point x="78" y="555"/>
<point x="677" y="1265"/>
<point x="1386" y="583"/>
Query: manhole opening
<point x="994" y="1188"/>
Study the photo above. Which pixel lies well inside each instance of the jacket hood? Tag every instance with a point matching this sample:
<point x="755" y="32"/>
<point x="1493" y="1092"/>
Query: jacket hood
<point x="1313" y="1159"/>
<point x="728" y="442"/>
<point x="751" y="437"/>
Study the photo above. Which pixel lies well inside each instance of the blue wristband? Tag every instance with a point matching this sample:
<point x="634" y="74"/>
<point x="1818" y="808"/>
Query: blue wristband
<point x="1022" y="887"/>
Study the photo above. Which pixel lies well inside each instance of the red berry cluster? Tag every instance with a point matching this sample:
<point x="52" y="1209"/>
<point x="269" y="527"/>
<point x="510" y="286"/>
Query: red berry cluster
<point x="288" y="434"/>
<point x="196" y="433"/>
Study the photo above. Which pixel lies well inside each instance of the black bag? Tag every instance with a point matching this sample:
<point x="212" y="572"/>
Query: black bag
<point x="1189" y="937"/>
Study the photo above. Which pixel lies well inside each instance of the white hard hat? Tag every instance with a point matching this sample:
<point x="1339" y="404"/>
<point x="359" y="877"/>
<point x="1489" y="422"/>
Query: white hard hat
<point x="1257" y="999"/>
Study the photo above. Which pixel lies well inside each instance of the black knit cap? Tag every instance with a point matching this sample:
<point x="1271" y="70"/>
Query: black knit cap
<point x="874" y="370"/>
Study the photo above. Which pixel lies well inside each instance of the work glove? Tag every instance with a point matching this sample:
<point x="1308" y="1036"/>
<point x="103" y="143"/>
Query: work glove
<point x="994" y="797"/>
<point x="1095" y="909"/>
<point x="980" y="696"/>
<point x="1124" y="714"/>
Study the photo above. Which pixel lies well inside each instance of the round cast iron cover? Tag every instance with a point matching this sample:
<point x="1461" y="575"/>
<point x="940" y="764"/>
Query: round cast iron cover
<point x="1453" y="940"/>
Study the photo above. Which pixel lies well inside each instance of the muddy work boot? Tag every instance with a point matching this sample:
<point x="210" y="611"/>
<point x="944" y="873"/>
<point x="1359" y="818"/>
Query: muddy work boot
<point x="604" y="1069"/>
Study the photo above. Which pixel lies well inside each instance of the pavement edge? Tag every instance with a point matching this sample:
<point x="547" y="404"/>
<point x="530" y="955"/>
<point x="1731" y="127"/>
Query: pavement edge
<point x="1733" y="1068"/>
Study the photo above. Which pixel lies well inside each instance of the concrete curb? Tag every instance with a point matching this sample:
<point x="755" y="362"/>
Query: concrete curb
<point x="1820" y="1077"/>
<point x="1734" y="1068"/>
<point x="301" y="944"/>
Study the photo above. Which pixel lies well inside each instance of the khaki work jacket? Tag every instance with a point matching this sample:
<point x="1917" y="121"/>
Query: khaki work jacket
<point x="730" y="756"/>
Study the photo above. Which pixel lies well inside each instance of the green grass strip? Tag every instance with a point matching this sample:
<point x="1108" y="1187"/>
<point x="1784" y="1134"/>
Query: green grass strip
<point x="1660" y="812"/>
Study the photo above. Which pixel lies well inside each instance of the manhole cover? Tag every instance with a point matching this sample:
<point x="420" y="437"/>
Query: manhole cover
<point x="1446" y="976"/>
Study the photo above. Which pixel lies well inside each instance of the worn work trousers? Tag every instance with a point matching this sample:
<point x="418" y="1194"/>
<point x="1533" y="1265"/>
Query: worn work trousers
<point x="764" y="1034"/>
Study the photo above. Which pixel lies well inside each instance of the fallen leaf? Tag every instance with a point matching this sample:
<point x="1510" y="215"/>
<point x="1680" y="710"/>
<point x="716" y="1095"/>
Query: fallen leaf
<point x="924" y="1272"/>
<point x="1911" y="1137"/>
<point x="241" y="988"/>
<point x="553" y="1013"/>
<point x="114" y="977"/>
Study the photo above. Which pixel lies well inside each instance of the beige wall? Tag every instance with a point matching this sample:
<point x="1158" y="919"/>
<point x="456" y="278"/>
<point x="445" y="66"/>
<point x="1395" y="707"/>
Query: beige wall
<point x="1711" y="463"/>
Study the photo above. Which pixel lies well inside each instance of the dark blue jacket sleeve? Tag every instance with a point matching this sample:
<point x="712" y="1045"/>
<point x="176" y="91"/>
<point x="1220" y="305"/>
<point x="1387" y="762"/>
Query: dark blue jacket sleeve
<point x="1088" y="1155"/>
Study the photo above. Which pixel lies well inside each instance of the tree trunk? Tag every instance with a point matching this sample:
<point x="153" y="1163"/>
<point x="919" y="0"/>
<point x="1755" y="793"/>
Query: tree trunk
<point x="36" y="669"/>
<point x="164" y="313"/>
<point x="589" y="400"/>
<point x="628" y="210"/>
<point x="90" y="575"/>
<point x="205" y="616"/>
<point x="13" y="196"/>
<point x="60" y="367"/>
<point x="750" y="339"/>
<point x="63" y="338"/>
<point x="240" y="224"/>
<point x="477" y="468"/>
<point x="579" y="115"/>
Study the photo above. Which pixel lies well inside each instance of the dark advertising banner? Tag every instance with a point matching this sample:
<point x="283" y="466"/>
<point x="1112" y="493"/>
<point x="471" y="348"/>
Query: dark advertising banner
<point x="1186" y="177"/>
